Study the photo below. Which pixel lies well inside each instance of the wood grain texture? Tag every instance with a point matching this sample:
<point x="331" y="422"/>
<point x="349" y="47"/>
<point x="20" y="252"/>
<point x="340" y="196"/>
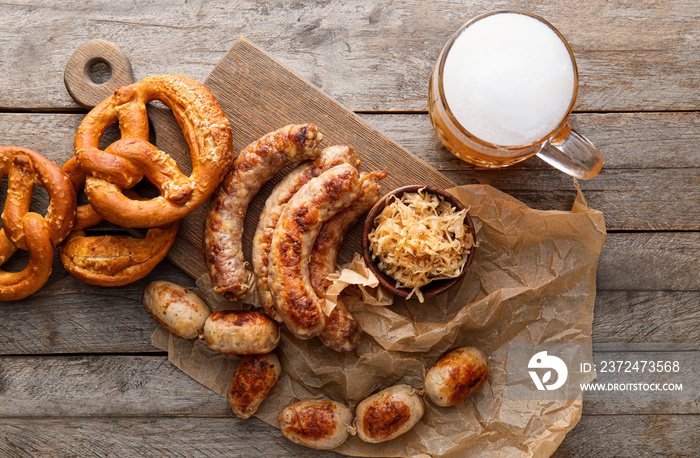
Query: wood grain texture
<point x="62" y="394"/>
<point x="650" y="261"/>
<point x="631" y="199"/>
<point x="102" y="385"/>
<point x="149" y="386"/>
<point x="627" y="140"/>
<point x="368" y="55"/>
<point x="183" y="437"/>
<point x="594" y="436"/>
<point x="259" y="95"/>
<point x="658" y="316"/>
<point x="633" y="435"/>
<point x="642" y="151"/>
<point x="68" y="316"/>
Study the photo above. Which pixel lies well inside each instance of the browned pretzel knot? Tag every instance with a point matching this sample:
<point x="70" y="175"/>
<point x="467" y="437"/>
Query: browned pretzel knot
<point x="110" y="260"/>
<point x="27" y="230"/>
<point x="127" y="161"/>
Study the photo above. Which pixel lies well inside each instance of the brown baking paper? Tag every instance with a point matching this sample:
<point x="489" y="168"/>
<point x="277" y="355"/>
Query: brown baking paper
<point x="532" y="280"/>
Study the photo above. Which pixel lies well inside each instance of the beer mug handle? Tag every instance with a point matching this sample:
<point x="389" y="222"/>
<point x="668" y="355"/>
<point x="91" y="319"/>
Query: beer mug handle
<point x="573" y="154"/>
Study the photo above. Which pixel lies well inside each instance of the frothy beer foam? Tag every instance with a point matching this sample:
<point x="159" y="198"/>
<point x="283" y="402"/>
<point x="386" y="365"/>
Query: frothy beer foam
<point x="508" y="79"/>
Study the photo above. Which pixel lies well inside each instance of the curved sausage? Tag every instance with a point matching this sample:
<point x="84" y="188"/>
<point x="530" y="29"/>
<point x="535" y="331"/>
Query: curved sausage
<point x="316" y="423"/>
<point x="329" y="157"/>
<point x="254" y="378"/>
<point x="342" y="333"/>
<point x="254" y="166"/>
<point x="388" y="414"/>
<point x="178" y="309"/>
<point x="294" y="236"/>
<point x="456" y="375"/>
<point x="243" y="332"/>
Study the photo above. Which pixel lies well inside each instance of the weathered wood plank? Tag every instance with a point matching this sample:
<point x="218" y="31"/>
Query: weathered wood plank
<point x="102" y="385"/>
<point x="629" y="195"/>
<point x="627" y="140"/>
<point x="70" y="317"/>
<point x="633" y="435"/>
<point x="650" y="261"/>
<point x="630" y="199"/>
<point x="646" y="316"/>
<point x="147" y="437"/>
<point x="149" y="386"/>
<point x="594" y="436"/>
<point x="370" y="56"/>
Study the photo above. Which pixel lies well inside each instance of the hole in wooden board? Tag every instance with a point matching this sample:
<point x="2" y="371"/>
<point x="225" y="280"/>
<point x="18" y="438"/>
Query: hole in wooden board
<point x="98" y="71"/>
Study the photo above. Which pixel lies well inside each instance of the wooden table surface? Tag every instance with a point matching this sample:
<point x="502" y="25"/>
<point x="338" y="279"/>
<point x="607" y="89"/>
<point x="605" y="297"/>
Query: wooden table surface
<point x="78" y="374"/>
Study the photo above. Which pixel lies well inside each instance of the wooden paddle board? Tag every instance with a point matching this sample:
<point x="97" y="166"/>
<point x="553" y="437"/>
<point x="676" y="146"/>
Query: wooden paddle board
<point x="259" y="95"/>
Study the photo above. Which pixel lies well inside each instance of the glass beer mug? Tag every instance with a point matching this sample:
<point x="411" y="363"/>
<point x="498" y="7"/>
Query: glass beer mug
<point x="502" y="90"/>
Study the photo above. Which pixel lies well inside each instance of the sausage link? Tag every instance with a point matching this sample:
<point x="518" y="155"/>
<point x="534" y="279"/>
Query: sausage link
<point x="329" y="157"/>
<point x="388" y="414"/>
<point x="243" y="332"/>
<point x="254" y="166"/>
<point x="178" y="309"/>
<point x="342" y="332"/>
<point x="316" y="423"/>
<point x="456" y="375"/>
<point x="254" y="378"/>
<point x="294" y="236"/>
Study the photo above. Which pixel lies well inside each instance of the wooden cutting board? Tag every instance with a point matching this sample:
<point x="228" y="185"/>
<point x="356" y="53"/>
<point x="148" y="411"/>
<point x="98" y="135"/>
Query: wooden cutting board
<point x="259" y="95"/>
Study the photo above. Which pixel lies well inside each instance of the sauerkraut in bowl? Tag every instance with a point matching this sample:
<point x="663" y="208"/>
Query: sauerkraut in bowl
<point x="418" y="235"/>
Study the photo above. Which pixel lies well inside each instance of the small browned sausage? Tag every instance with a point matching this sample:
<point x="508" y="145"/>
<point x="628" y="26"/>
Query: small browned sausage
<point x="275" y="203"/>
<point x="253" y="167"/>
<point x="316" y="423"/>
<point x="315" y="203"/>
<point x="178" y="309"/>
<point x="244" y="332"/>
<point x="456" y="375"/>
<point x="252" y="381"/>
<point x="342" y="332"/>
<point x="388" y="414"/>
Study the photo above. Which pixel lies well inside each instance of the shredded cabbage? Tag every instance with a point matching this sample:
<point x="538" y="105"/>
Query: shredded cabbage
<point x="420" y="238"/>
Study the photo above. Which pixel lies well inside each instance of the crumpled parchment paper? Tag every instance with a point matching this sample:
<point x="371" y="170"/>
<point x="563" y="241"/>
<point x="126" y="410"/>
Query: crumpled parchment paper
<point x="532" y="280"/>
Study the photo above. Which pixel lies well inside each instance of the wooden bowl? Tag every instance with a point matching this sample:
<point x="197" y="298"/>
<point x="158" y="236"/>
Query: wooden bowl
<point x="435" y="287"/>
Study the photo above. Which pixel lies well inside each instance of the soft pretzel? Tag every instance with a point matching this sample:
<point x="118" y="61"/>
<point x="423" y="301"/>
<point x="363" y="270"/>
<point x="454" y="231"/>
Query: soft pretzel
<point x="254" y="166"/>
<point x="115" y="260"/>
<point x="124" y="163"/>
<point x="27" y="230"/>
<point x="110" y="260"/>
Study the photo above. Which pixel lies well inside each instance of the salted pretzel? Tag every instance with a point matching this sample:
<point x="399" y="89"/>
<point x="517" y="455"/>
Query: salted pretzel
<point x="110" y="260"/>
<point x="28" y="230"/>
<point x="128" y="160"/>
